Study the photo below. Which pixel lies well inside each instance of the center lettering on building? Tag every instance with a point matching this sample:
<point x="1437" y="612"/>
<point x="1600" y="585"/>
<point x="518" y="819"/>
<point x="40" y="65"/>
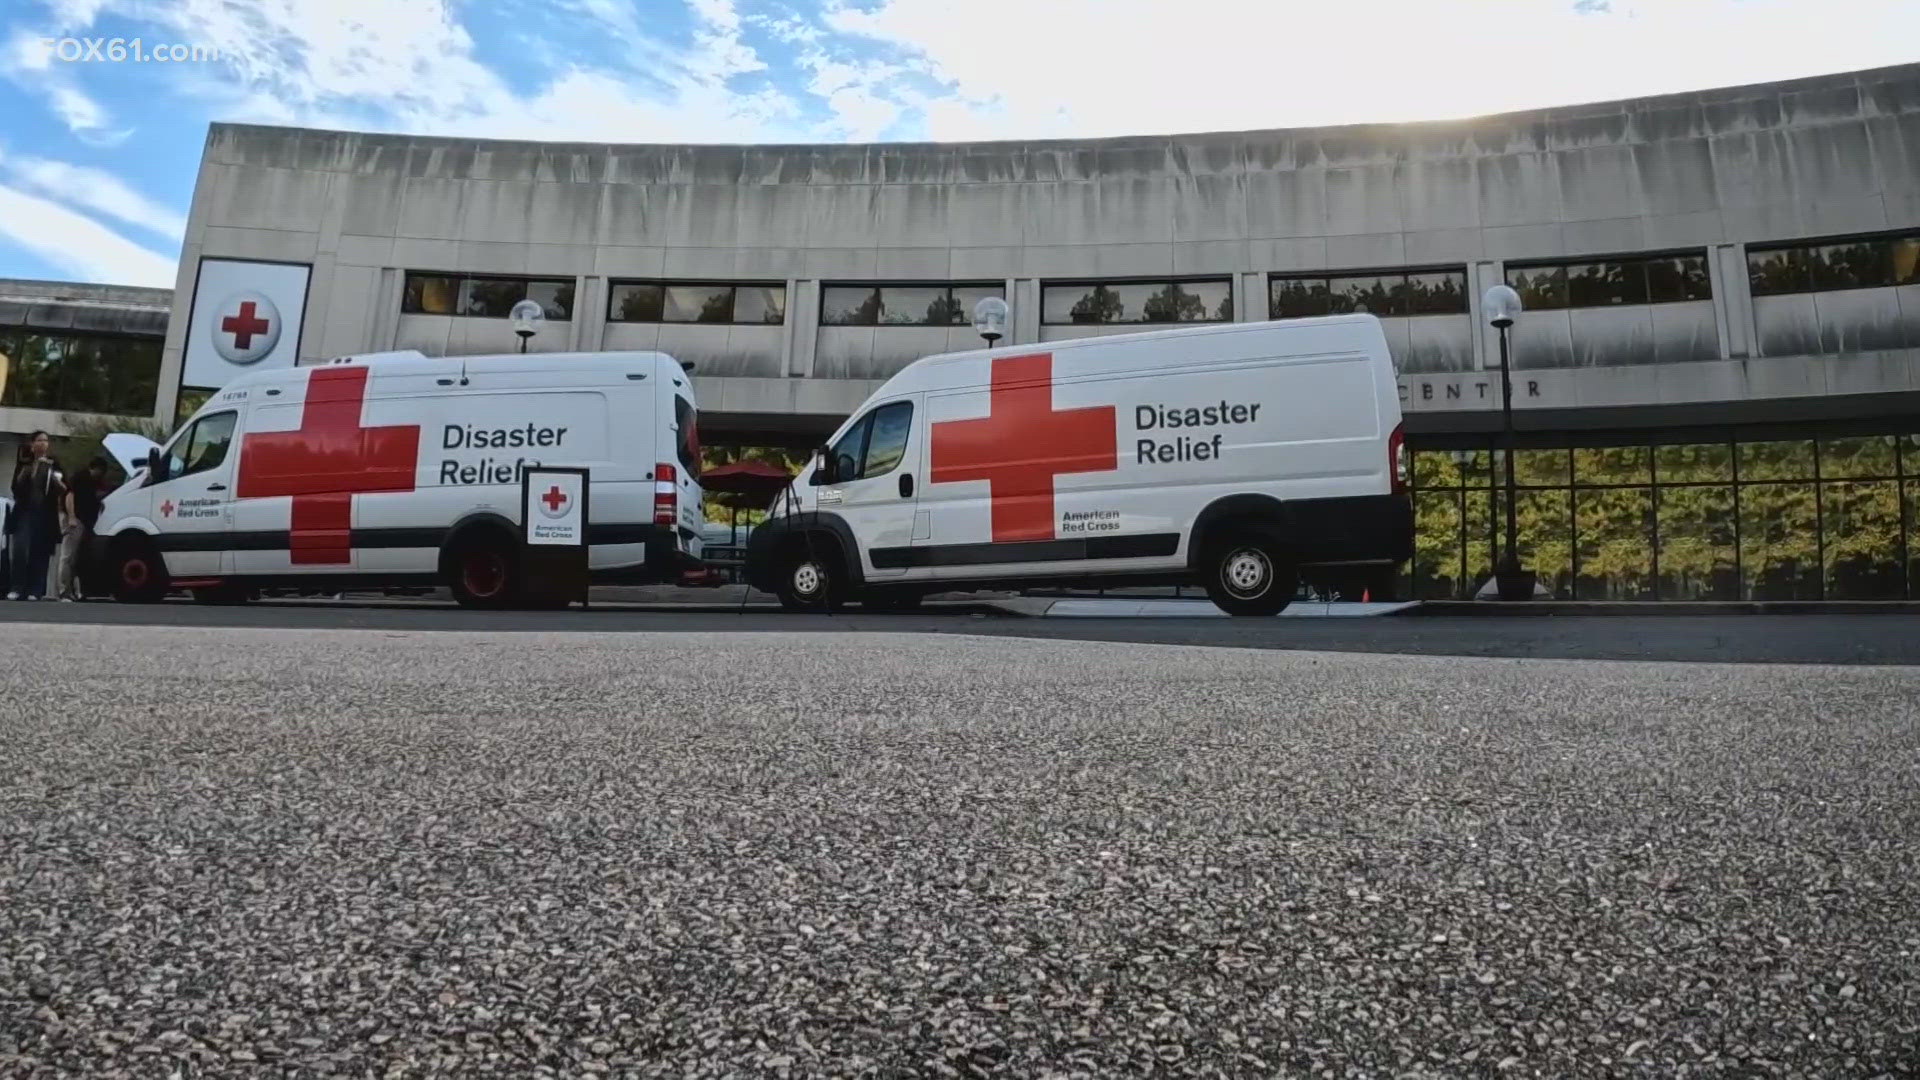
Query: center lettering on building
<point x="488" y="469"/>
<point x="1181" y="447"/>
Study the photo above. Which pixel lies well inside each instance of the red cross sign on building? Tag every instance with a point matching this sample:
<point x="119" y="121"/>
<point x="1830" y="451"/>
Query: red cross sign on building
<point x="1022" y="445"/>
<point x="325" y="462"/>
<point x="245" y="327"/>
<point x="243" y="324"/>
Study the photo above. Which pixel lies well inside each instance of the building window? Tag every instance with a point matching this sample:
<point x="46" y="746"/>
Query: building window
<point x="1782" y="519"/>
<point x="903" y="305"/>
<point x="484" y="296"/>
<point x="1867" y="263"/>
<point x="1108" y="302"/>
<point x="79" y="372"/>
<point x="1592" y="283"/>
<point x="1391" y="294"/>
<point x="723" y="303"/>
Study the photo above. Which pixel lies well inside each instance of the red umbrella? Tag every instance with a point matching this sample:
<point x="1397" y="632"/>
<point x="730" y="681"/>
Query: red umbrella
<point x="747" y="484"/>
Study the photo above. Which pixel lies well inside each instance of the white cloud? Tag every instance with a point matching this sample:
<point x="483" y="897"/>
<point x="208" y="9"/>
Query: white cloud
<point x="92" y="189"/>
<point x="28" y="62"/>
<point x="78" y="244"/>
<point x="1110" y="67"/>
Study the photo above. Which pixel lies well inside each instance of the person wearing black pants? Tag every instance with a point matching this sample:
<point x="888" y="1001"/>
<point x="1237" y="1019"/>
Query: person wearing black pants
<point x="38" y="489"/>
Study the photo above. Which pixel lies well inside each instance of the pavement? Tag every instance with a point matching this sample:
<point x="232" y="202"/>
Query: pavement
<point x="237" y="851"/>
<point x="1768" y="639"/>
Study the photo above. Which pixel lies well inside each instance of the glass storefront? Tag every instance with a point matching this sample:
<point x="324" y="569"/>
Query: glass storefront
<point x="1782" y="519"/>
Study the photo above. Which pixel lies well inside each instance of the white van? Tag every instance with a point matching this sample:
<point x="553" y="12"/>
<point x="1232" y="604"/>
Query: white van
<point x="1231" y="456"/>
<point x="396" y="469"/>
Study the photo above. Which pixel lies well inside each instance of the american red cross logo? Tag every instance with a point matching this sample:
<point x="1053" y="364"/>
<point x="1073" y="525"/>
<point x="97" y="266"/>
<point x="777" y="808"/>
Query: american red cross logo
<point x="244" y="325"/>
<point x="1022" y="445"/>
<point x="166" y="508"/>
<point x="326" y="461"/>
<point x="554" y="498"/>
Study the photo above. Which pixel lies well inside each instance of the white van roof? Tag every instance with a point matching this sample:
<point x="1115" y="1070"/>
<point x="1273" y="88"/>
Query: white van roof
<point x="412" y="361"/>
<point x="925" y="370"/>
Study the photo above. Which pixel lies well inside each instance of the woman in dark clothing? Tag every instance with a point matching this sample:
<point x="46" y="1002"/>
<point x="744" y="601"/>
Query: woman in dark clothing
<point x="82" y="511"/>
<point x="37" y="492"/>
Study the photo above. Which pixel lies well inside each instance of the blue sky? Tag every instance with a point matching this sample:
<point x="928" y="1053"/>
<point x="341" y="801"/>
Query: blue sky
<point x="98" y="158"/>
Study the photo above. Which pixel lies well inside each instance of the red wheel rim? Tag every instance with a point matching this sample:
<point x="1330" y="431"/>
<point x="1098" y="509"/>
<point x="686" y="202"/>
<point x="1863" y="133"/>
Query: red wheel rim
<point x="484" y="574"/>
<point x="134" y="573"/>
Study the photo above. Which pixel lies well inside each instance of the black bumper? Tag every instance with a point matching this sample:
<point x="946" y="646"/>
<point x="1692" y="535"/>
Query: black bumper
<point x="1357" y="529"/>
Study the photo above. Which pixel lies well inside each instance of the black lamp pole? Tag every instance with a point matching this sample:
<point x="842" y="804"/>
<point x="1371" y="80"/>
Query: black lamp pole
<point x="1510" y="554"/>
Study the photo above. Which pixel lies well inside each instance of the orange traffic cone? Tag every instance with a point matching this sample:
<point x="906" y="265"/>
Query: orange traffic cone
<point x="1366" y="596"/>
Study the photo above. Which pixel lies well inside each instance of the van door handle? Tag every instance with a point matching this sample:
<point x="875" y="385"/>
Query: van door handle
<point x="906" y="485"/>
<point x="216" y="487"/>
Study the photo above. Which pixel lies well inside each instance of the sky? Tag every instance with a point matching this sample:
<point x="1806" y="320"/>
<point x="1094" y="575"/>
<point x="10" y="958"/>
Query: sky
<point x="98" y="153"/>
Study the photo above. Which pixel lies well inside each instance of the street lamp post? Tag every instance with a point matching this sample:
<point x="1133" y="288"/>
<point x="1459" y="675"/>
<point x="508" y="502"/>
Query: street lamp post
<point x="1502" y="306"/>
<point x="527" y="316"/>
<point x="990" y="319"/>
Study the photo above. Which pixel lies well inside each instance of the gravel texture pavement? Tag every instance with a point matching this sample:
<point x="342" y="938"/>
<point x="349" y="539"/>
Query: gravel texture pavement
<point x="362" y="853"/>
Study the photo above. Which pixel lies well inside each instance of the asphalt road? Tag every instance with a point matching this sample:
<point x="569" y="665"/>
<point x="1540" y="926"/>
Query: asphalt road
<point x="234" y="852"/>
<point x="1800" y="639"/>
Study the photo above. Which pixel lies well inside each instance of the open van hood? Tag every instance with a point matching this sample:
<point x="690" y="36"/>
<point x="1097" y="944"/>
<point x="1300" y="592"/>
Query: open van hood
<point x="129" y="450"/>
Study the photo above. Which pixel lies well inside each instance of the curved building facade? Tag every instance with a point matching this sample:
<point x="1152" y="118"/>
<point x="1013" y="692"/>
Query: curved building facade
<point x="1716" y="376"/>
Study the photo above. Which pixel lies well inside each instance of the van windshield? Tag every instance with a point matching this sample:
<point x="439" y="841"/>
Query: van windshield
<point x="687" y="419"/>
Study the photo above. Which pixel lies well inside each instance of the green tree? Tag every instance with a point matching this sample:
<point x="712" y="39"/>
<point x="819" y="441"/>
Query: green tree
<point x="1174" y="304"/>
<point x="1102" y="305"/>
<point x="945" y="311"/>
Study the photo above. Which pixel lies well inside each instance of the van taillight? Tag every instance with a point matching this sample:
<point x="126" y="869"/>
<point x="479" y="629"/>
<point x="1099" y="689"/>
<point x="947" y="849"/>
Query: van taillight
<point x="666" y="498"/>
<point x="1397" y="459"/>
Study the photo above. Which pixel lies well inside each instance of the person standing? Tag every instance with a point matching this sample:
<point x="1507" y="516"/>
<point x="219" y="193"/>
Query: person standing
<point x="82" y="513"/>
<point x="37" y="492"/>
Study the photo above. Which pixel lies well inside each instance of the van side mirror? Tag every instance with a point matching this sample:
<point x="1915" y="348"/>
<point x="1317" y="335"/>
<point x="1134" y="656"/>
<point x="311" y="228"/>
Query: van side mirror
<point x="824" y="473"/>
<point x="156" y="466"/>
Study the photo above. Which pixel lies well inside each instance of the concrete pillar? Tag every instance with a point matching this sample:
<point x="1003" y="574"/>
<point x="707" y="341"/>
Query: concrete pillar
<point x="1025" y="300"/>
<point x="1732" y="300"/>
<point x="588" y="331"/>
<point x="1250" y="297"/>
<point x="803" y="326"/>
<point x="383" y="322"/>
<point x="1481" y="276"/>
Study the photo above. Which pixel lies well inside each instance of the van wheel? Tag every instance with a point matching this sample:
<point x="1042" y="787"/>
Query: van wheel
<point x="808" y="582"/>
<point x="139" y="574"/>
<point x="483" y="572"/>
<point x="1248" y="575"/>
<point x="891" y="600"/>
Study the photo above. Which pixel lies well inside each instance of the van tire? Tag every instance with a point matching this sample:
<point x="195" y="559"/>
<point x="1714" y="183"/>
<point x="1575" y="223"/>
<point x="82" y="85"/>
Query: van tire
<point x="1248" y="574"/>
<point x="139" y="573"/>
<point x="809" y="578"/>
<point x="483" y="571"/>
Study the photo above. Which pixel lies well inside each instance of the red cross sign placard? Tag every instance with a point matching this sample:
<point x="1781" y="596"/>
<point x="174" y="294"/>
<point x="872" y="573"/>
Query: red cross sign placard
<point x="246" y="317"/>
<point x="555" y="510"/>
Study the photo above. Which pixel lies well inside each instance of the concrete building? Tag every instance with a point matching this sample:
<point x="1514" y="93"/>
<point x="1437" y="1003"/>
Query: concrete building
<point x="69" y="350"/>
<point x="1716" y="376"/>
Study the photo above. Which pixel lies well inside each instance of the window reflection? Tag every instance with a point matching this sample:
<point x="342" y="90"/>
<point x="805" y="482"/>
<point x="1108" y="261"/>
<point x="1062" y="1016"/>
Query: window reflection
<point x="1779" y="541"/>
<point x="1544" y="521"/>
<point x="1616" y="544"/>
<point x="1698" y="550"/>
<point x="1865" y="456"/>
<point x="1862" y="539"/>
<point x="1611" y="465"/>
<point x="1791" y="460"/>
<point x="1437" y="550"/>
<point x="1699" y="532"/>
<point x="1693" y="463"/>
<point x="1538" y="468"/>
